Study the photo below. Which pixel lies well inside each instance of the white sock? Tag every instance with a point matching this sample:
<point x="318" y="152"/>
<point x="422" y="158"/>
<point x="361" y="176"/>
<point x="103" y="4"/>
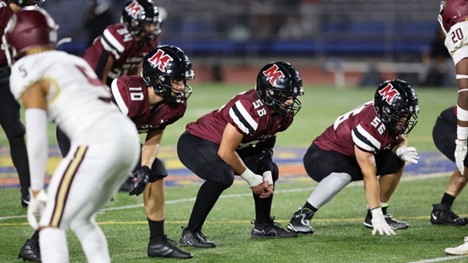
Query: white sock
<point x="53" y="245"/>
<point x="328" y="188"/>
<point x="93" y="241"/>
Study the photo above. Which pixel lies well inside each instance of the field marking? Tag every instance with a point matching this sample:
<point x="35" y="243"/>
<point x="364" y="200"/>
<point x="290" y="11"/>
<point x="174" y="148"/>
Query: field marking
<point x="294" y="190"/>
<point x="442" y="259"/>
<point x="192" y="199"/>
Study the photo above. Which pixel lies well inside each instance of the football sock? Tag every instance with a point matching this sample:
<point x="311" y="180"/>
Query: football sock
<point x="53" y="245"/>
<point x="262" y="209"/>
<point x="156" y="229"/>
<point x="92" y="241"/>
<point x="328" y="188"/>
<point x="310" y="207"/>
<point x="447" y="199"/>
<point x="206" y="198"/>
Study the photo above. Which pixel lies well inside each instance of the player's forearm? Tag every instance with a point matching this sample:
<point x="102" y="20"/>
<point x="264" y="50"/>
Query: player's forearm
<point x="372" y="190"/>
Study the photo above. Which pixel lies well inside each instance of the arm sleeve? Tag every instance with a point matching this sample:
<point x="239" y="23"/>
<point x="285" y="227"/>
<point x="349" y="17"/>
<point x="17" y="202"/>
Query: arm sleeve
<point x="37" y="145"/>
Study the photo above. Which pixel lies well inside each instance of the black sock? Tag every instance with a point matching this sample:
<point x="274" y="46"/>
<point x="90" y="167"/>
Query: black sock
<point x="311" y="207"/>
<point x="263" y="209"/>
<point x="447" y="199"/>
<point x="156" y="229"/>
<point x="206" y="198"/>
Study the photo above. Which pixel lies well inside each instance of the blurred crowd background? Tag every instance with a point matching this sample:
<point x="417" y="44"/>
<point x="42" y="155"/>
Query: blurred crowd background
<point x="320" y="34"/>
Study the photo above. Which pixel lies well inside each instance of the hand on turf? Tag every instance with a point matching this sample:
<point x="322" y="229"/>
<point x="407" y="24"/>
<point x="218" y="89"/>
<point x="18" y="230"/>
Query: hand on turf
<point x="140" y="178"/>
<point x="460" y="154"/>
<point x="36" y="206"/>
<point x="408" y="154"/>
<point x="379" y="224"/>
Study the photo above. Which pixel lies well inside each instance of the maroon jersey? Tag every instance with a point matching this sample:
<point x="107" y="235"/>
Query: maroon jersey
<point x="119" y="43"/>
<point x="247" y="113"/>
<point x="5" y="14"/>
<point x="131" y="95"/>
<point x="361" y="127"/>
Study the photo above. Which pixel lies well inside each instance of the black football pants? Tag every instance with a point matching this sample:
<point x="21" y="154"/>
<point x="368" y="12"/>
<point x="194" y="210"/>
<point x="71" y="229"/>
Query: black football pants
<point x="14" y="130"/>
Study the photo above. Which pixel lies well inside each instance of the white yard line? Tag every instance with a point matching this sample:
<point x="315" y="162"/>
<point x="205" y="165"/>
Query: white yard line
<point x="442" y="259"/>
<point x="294" y="190"/>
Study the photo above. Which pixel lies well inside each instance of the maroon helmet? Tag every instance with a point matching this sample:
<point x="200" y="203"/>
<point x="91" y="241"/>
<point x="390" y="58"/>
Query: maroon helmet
<point x="452" y="12"/>
<point x="24" y="3"/>
<point x="30" y="27"/>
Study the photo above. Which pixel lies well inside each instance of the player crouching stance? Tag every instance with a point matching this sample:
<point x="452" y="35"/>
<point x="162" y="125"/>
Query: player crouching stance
<point x="55" y="85"/>
<point x="361" y="145"/>
<point x="238" y="139"/>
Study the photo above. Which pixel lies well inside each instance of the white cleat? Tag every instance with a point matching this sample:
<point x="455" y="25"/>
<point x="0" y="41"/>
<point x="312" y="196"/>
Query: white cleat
<point x="461" y="250"/>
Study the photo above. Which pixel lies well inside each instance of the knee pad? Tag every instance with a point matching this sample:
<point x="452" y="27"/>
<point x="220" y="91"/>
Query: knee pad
<point x="158" y="171"/>
<point x="221" y="173"/>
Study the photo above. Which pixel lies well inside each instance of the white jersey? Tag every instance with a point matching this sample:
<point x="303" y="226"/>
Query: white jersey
<point x="73" y="85"/>
<point x="456" y="41"/>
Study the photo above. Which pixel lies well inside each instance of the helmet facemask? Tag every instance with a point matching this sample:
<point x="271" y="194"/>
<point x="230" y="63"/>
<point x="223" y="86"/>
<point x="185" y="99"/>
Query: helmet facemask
<point x="163" y="87"/>
<point x="400" y="121"/>
<point x="277" y="101"/>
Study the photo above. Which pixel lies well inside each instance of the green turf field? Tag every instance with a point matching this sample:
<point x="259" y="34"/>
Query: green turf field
<point x="340" y="235"/>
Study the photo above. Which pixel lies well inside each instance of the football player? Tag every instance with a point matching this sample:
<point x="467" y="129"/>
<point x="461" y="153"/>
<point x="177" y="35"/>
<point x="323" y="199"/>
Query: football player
<point x="121" y="47"/>
<point x="453" y="19"/>
<point x="238" y="139"/>
<point x="63" y="88"/>
<point x="152" y="101"/>
<point x="361" y="145"/>
<point x="444" y="134"/>
<point x="9" y="107"/>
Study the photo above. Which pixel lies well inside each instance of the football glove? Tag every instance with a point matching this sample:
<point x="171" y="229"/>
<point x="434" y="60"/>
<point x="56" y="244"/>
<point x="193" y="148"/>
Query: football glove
<point x="36" y="207"/>
<point x="408" y="154"/>
<point x="379" y="224"/>
<point x="140" y="177"/>
<point x="460" y="154"/>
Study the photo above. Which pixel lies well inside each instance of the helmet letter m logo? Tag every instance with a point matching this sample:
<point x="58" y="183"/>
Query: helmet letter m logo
<point x="160" y="59"/>
<point x="388" y="93"/>
<point x="272" y="74"/>
<point x="133" y="9"/>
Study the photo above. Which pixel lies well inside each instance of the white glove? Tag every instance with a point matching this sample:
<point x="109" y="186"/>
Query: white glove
<point x="379" y="223"/>
<point x="460" y="154"/>
<point x="251" y="178"/>
<point x="408" y="154"/>
<point x="36" y="206"/>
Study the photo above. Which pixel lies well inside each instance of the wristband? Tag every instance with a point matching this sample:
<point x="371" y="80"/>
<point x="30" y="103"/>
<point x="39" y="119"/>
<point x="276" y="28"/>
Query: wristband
<point x="462" y="133"/>
<point x="251" y="178"/>
<point x="267" y="177"/>
<point x="462" y="114"/>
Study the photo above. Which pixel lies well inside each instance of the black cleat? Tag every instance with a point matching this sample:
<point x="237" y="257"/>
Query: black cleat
<point x="30" y="251"/>
<point x="300" y="221"/>
<point x="391" y="221"/>
<point x="442" y="214"/>
<point x="166" y="248"/>
<point x="25" y="200"/>
<point x="270" y="230"/>
<point x="195" y="239"/>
